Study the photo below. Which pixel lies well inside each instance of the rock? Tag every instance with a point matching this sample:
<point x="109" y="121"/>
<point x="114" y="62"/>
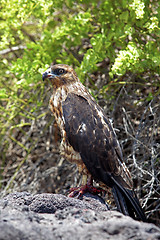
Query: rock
<point x="50" y="203"/>
<point x="54" y="216"/>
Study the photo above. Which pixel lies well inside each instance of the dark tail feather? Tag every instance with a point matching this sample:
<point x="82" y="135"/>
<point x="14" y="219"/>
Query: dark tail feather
<point x="127" y="202"/>
<point x="120" y="201"/>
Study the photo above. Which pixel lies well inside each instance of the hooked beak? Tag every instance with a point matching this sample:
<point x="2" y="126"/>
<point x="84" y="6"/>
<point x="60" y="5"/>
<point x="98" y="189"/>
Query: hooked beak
<point x="48" y="74"/>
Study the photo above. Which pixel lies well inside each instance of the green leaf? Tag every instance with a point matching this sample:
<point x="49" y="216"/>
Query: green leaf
<point x="3" y="93"/>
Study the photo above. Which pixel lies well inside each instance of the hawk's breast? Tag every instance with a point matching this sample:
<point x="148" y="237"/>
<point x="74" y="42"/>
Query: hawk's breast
<point x="66" y="149"/>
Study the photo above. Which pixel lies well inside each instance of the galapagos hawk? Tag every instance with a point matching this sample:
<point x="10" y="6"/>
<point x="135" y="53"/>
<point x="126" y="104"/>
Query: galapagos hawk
<point x="89" y="140"/>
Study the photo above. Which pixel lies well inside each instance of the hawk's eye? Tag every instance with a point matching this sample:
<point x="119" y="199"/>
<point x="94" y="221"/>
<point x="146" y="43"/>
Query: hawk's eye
<point x="59" y="71"/>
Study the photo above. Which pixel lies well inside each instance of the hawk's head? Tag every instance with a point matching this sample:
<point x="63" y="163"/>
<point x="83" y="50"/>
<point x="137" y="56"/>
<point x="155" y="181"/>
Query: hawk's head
<point x="60" y="74"/>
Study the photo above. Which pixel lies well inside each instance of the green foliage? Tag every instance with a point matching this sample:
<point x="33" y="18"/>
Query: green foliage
<point x="126" y="32"/>
<point x="127" y="59"/>
<point x="36" y="33"/>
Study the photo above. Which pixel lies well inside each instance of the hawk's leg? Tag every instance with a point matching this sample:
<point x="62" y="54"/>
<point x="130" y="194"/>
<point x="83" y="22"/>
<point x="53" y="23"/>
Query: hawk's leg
<point x="88" y="187"/>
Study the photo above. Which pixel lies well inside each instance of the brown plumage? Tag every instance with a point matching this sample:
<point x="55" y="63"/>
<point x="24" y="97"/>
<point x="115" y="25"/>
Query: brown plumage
<point x="88" y="138"/>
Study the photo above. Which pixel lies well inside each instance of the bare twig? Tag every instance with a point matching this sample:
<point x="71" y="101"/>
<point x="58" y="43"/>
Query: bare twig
<point x="12" y="49"/>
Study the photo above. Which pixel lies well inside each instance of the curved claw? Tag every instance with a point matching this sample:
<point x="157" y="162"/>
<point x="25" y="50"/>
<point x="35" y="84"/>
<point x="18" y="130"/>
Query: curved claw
<point x="80" y="191"/>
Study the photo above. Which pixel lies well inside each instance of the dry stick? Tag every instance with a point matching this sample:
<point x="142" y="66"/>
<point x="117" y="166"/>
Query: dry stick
<point x="135" y="163"/>
<point x="130" y="124"/>
<point x="14" y="175"/>
<point x="137" y="135"/>
<point x="126" y="129"/>
<point x="153" y="158"/>
<point x="151" y="183"/>
<point x="12" y="49"/>
<point x="28" y="151"/>
<point x="117" y="99"/>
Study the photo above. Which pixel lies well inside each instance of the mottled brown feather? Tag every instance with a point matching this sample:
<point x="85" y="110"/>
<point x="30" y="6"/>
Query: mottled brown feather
<point x="97" y="149"/>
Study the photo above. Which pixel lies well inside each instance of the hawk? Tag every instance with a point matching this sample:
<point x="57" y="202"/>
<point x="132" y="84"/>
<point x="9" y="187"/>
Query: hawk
<point x="89" y="140"/>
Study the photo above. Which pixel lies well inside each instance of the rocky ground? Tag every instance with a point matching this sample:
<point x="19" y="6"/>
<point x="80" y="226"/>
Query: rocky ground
<point x="54" y="216"/>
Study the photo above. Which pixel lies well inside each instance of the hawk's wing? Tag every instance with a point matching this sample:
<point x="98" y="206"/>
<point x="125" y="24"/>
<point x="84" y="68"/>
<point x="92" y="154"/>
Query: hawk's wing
<point x="90" y="133"/>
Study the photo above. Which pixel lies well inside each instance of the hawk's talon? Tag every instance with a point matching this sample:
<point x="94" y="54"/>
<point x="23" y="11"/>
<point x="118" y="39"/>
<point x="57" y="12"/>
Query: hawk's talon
<point x="80" y="191"/>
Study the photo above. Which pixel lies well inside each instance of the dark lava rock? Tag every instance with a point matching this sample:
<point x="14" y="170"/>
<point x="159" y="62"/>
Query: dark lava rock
<point x="53" y="216"/>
